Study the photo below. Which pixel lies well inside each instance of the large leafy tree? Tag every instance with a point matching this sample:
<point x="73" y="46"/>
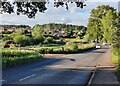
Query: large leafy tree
<point x="94" y="30"/>
<point x="95" y="25"/>
<point x="108" y="22"/>
<point x="116" y="39"/>
<point x="37" y="34"/>
<point x="31" y="7"/>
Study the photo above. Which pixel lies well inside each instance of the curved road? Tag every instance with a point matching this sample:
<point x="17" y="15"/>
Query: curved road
<point x="70" y="69"/>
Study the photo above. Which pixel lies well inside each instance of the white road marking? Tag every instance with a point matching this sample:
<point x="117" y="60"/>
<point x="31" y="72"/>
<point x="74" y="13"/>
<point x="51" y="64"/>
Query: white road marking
<point x="27" y="77"/>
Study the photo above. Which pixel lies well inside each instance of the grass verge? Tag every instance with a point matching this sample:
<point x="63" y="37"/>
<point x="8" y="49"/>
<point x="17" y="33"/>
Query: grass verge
<point x="118" y="72"/>
<point x="15" y="58"/>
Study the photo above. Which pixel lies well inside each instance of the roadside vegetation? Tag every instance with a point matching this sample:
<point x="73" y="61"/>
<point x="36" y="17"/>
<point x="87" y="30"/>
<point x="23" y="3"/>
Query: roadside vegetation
<point x="11" y="58"/>
<point x="103" y="27"/>
<point x="23" y="46"/>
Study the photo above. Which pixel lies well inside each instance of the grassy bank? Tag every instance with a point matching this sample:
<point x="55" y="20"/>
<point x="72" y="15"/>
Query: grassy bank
<point x="118" y="72"/>
<point x="11" y="58"/>
<point x="116" y="60"/>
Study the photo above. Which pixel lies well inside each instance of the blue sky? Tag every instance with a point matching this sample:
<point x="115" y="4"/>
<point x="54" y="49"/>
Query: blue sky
<point x="74" y="15"/>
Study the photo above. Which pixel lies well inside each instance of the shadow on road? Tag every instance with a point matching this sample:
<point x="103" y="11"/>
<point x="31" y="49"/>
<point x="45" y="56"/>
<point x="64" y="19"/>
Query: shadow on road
<point x="98" y="52"/>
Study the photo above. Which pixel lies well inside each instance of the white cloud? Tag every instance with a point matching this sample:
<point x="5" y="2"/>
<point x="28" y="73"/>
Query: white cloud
<point x="73" y="10"/>
<point x="65" y="20"/>
<point x="74" y="15"/>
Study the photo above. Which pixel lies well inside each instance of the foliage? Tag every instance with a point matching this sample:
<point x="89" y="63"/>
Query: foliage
<point x="65" y="51"/>
<point x="38" y="40"/>
<point x="22" y="40"/>
<point x="7" y="38"/>
<point x="108" y="23"/>
<point x="37" y="34"/>
<point x="61" y="41"/>
<point x="45" y="50"/>
<point x="31" y="7"/>
<point x="15" y="58"/>
<point x="37" y="31"/>
<point x="8" y="53"/>
<point x="64" y="27"/>
<point x="101" y="20"/>
<point x="118" y="72"/>
<point x="49" y="40"/>
<point x="17" y="26"/>
<point x="74" y="46"/>
<point x="116" y="39"/>
<point x="71" y="46"/>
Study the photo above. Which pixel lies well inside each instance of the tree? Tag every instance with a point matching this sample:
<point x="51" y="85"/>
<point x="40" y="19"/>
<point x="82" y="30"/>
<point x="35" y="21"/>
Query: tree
<point x="116" y="39"/>
<point x="95" y="25"/>
<point x="37" y="34"/>
<point x="37" y="31"/>
<point x="108" y="22"/>
<point x="94" y="29"/>
<point x="31" y="7"/>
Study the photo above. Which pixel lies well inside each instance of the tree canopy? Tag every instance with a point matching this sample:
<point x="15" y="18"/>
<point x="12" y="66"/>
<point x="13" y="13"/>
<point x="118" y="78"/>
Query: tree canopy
<point x="102" y="23"/>
<point x="31" y="7"/>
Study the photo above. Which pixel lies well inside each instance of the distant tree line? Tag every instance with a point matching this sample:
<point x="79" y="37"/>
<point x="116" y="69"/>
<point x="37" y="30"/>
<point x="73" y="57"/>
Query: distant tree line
<point x="16" y="26"/>
<point x="64" y="27"/>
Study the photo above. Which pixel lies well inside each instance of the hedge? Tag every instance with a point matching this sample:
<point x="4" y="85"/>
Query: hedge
<point x="15" y="58"/>
<point x="61" y="51"/>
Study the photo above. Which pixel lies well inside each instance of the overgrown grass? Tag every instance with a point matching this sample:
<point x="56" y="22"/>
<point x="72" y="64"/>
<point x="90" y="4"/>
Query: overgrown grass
<point x="118" y="71"/>
<point x="15" y="58"/>
<point x="116" y="55"/>
<point x="116" y="59"/>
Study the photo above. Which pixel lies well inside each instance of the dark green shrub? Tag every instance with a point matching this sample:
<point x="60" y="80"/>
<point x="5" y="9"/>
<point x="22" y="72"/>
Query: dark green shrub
<point x="74" y="46"/>
<point x="49" y="40"/>
<point x="22" y="40"/>
<point x="7" y="38"/>
<point x="118" y="71"/>
<point x="46" y="50"/>
<point x="38" y="39"/>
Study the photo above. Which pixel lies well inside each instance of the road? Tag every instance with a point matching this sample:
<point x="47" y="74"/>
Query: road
<point x="68" y="69"/>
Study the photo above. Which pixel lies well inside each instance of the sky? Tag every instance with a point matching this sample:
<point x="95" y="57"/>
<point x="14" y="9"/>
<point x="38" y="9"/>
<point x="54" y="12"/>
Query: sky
<point x="74" y="15"/>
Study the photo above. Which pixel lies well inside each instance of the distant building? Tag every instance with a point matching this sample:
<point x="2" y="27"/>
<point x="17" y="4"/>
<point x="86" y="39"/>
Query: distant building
<point x="13" y="29"/>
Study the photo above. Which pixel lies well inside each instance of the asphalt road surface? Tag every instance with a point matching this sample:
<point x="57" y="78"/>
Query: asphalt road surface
<point x="70" y="69"/>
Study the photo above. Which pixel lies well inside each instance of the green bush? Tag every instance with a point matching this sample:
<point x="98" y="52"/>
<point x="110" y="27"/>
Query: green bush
<point x="46" y="50"/>
<point x="118" y="71"/>
<point x="38" y="39"/>
<point x="49" y="40"/>
<point x="71" y="46"/>
<point x="74" y="46"/>
<point x="7" y="38"/>
<point x="22" y="40"/>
